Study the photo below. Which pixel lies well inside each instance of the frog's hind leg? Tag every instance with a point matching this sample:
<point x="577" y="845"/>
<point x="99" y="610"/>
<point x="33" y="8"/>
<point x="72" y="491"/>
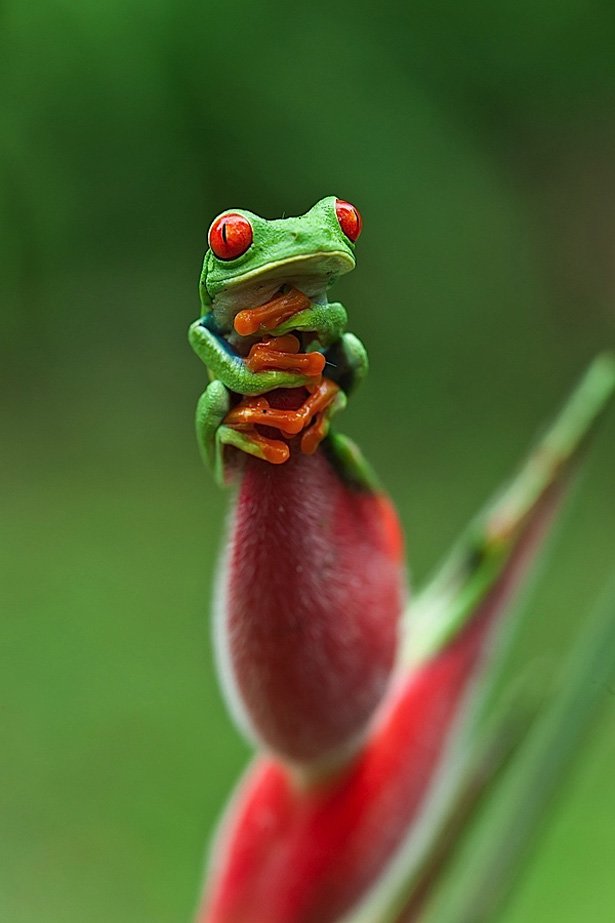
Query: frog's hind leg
<point x="329" y="401"/>
<point x="212" y="407"/>
<point x="248" y="440"/>
<point x="213" y="434"/>
<point x="347" y="364"/>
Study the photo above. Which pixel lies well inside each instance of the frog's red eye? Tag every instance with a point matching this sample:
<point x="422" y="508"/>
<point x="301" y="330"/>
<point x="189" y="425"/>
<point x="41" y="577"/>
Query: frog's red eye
<point x="349" y="218"/>
<point x="230" y="235"/>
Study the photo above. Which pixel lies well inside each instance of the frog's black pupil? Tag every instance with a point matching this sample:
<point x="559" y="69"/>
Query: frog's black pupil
<point x="223" y="231"/>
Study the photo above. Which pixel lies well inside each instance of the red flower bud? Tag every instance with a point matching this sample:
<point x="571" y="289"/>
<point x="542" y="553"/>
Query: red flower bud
<point x="307" y="627"/>
<point x="311" y="854"/>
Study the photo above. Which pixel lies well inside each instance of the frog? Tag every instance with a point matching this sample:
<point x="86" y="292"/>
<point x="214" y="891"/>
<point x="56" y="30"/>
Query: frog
<point x="267" y="325"/>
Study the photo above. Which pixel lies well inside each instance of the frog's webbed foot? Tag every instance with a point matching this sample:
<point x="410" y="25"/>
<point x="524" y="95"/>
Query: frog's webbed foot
<point x="282" y="353"/>
<point x="311" y="418"/>
<point x="332" y="401"/>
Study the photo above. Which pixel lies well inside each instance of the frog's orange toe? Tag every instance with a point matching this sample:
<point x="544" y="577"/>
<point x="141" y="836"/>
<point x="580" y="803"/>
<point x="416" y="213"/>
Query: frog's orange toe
<point x="257" y="411"/>
<point x="282" y="353"/>
<point x="268" y="316"/>
<point x="274" y="451"/>
<point x="315" y="434"/>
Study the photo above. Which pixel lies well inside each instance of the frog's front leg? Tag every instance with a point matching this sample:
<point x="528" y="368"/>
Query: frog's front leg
<point x="213" y="434"/>
<point x="346" y="362"/>
<point x="227" y="365"/>
<point x="327" y="321"/>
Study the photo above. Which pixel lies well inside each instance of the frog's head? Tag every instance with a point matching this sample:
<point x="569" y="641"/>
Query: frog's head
<point x="250" y="258"/>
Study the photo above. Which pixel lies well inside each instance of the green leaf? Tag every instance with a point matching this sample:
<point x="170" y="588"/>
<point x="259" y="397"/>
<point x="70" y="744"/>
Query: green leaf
<point x="480" y="556"/>
<point x="492" y="856"/>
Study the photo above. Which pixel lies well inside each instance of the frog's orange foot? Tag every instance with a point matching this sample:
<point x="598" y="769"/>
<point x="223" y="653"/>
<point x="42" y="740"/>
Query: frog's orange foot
<point x="257" y="411"/>
<point x="324" y="397"/>
<point x="320" y="398"/>
<point x="315" y="433"/>
<point x="282" y="353"/>
<point x="270" y="315"/>
<point x="312" y="417"/>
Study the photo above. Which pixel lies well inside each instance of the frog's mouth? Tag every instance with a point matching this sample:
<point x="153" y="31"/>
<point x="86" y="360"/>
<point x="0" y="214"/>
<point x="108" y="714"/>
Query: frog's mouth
<point x="312" y="274"/>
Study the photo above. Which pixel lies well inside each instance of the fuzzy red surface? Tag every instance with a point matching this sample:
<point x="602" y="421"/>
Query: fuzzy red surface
<point x="293" y="855"/>
<point x="314" y="589"/>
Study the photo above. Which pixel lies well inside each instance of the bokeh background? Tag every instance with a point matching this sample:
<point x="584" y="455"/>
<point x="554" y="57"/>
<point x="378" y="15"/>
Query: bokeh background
<point x="478" y="140"/>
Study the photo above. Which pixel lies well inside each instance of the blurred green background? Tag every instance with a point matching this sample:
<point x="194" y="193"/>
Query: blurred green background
<point x="478" y="140"/>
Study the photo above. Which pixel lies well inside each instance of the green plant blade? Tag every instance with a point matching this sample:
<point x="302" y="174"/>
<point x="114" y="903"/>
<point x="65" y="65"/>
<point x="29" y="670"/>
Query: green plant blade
<point x="450" y="599"/>
<point x="492" y="857"/>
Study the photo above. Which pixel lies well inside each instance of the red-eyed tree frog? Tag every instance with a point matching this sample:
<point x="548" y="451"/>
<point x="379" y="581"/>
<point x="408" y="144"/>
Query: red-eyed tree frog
<point x="268" y="327"/>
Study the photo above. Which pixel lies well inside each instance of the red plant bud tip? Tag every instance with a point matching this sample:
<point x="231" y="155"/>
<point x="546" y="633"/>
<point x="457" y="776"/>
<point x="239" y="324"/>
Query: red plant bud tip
<point x="307" y="628"/>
